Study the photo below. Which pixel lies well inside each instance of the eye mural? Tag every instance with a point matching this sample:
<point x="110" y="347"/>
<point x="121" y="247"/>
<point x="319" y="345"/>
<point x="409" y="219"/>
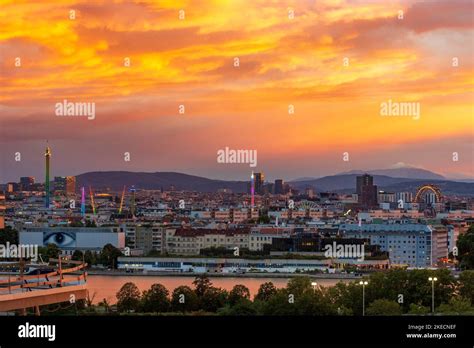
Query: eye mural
<point x="61" y="239"/>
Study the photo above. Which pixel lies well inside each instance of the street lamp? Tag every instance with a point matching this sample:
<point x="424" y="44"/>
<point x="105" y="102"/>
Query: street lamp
<point x="314" y="285"/>
<point x="363" y="283"/>
<point x="432" y="280"/>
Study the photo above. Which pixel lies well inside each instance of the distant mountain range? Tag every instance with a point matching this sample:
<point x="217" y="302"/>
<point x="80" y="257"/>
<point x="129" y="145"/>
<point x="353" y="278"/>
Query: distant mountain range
<point x="115" y="180"/>
<point x="347" y="183"/>
<point x="403" y="172"/>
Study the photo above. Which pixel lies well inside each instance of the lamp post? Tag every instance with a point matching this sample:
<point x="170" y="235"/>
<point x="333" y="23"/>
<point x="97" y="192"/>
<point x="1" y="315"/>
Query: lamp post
<point x="432" y="280"/>
<point x="314" y="285"/>
<point x="363" y="283"/>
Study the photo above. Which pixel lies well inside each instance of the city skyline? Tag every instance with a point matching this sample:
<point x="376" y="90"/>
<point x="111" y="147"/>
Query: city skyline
<point x="271" y="177"/>
<point x="309" y="87"/>
<point x="401" y="166"/>
<point x="215" y="163"/>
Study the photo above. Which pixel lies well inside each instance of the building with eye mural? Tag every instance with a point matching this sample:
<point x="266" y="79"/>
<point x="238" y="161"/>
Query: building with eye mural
<point x="69" y="239"/>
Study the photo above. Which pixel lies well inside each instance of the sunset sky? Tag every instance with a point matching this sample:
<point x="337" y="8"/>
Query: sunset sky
<point x="283" y="61"/>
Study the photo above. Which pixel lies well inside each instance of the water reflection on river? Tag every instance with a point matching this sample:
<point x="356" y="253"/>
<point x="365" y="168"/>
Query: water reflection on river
<point x="101" y="286"/>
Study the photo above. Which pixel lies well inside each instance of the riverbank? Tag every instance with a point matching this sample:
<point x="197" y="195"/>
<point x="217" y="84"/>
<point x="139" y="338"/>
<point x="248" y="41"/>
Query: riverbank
<point x="96" y="272"/>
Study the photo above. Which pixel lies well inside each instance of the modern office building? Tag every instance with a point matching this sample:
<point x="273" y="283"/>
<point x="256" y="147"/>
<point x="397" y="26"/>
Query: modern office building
<point x="386" y="197"/>
<point x="278" y="187"/>
<point x="406" y="197"/>
<point x="27" y="183"/>
<point x="413" y="245"/>
<point x="65" y="185"/>
<point x="366" y="191"/>
<point x="13" y="187"/>
<point x="259" y="183"/>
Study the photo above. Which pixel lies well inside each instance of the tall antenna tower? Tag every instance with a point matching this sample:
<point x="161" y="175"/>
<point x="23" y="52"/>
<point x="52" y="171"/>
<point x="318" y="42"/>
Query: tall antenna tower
<point x="47" y="189"/>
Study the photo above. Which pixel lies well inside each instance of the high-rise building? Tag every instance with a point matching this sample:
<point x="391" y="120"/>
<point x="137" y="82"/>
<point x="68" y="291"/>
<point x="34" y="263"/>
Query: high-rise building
<point x="366" y="191"/>
<point x="414" y="245"/>
<point x="70" y="185"/>
<point x="13" y="187"/>
<point x="406" y="197"/>
<point x="259" y="181"/>
<point x="59" y="184"/>
<point x="279" y="187"/>
<point x="27" y="183"/>
<point x="364" y="180"/>
<point x="386" y="197"/>
<point x="65" y="185"/>
<point x="47" y="156"/>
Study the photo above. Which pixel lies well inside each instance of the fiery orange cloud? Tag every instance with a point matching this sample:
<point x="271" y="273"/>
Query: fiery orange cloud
<point x="334" y="62"/>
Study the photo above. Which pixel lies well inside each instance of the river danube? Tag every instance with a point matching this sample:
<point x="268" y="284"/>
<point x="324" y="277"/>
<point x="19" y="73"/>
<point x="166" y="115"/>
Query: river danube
<point x="106" y="287"/>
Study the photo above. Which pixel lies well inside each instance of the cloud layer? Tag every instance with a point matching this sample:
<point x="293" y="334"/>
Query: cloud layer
<point x="335" y="62"/>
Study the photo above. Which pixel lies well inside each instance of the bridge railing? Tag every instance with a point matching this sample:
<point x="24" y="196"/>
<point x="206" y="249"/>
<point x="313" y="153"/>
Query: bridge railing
<point x="58" y="277"/>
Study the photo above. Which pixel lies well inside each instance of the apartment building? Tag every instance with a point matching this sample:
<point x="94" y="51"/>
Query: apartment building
<point x="413" y="245"/>
<point x="185" y="241"/>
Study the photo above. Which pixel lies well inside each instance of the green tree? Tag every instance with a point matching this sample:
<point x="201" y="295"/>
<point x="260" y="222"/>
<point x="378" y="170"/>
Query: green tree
<point x="51" y="251"/>
<point x="77" y="255"/>
<point x="314" y="303"/>
<point x="418" y="309"/>
<point x="465" y="246"/>
<point x="299" y="286"/>
<point x="466" y="285"/>
<point x="348" y="296"/>
<point x="279" y="303"/>
<point x="243" y="307"/>
<point x="104" y="303"/>
<point x="184" y="299"/>
<point x="201" y="284"/>
<point x="384" y="307"/>
<point x="156" y="299"/>
<point x="238" y="292"/>
<point x="213" y="299"/>
<point x="265" y="291"/>
<point x="418" y="287"/>
<point x="8" y="235"/>
<point x="108" y="255"/>
<point x="456" y="306"/>
<point x="128" y="298"/>
<point x="90" y="257"/>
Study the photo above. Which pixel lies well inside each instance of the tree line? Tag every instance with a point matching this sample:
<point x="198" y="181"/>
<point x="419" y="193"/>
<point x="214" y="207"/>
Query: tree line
<point x="396" y="292"/>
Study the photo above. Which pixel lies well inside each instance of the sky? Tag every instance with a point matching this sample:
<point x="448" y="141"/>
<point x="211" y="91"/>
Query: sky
<point x="306" y="94"/>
